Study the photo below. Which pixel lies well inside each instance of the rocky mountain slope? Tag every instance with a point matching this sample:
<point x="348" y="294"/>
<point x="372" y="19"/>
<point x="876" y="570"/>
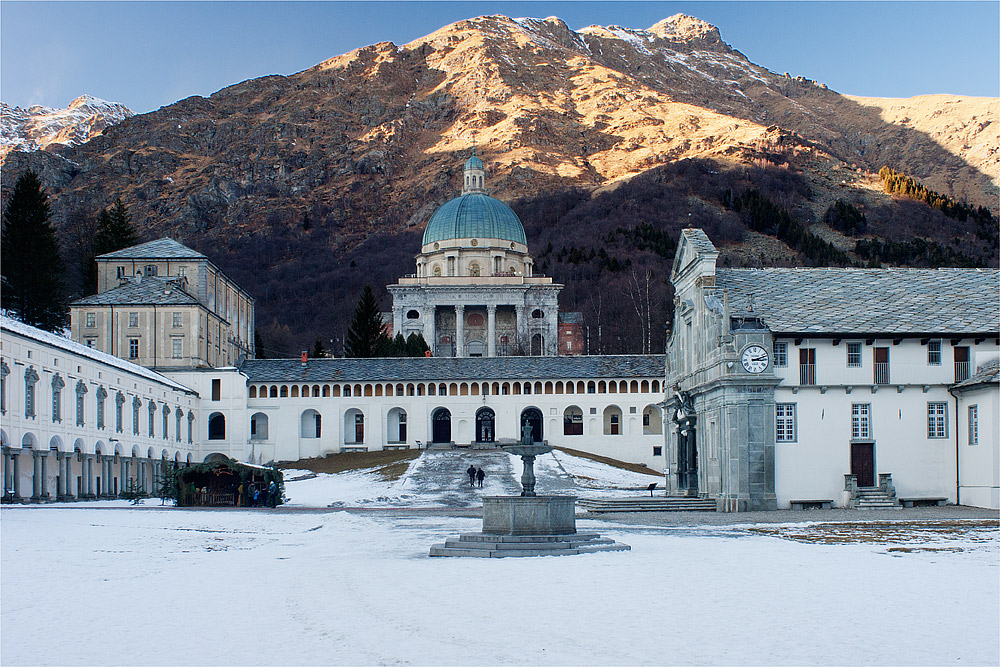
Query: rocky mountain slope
<point x="292" y="182"/>
<point x="37" y="127"/>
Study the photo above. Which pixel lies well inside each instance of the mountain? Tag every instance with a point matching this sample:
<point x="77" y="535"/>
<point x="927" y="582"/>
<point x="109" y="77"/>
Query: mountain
<point x="606" y="140"/>
<point x="37" y="127"/>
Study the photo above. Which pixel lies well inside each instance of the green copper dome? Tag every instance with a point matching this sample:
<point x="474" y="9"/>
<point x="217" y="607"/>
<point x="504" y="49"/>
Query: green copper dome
<point x="474" y="215"/>
<point x="473" y="163"/>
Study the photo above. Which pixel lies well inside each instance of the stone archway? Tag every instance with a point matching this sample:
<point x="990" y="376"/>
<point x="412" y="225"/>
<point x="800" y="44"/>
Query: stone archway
<point x="485" y="421"/>
<point x="441" y="426"/>
<point x="532" y="416"/>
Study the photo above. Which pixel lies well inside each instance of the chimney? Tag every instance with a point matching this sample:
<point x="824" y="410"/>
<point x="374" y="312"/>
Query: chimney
<point x="305" y="357"/>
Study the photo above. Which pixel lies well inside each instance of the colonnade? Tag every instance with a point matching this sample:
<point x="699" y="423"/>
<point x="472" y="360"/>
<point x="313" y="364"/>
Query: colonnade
<point x="98" y="476"/>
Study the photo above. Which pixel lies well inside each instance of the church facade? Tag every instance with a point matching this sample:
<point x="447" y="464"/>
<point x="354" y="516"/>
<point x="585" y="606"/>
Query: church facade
<point x="475" y="292"/>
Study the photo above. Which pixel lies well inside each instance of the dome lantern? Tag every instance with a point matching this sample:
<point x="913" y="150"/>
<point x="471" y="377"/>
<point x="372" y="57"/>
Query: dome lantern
<point x="475" y="175"/>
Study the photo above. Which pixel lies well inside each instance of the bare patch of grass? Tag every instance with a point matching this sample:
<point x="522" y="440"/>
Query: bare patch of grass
<point x="387" y="462"/>
<point x="615" y="463"/>
<point x="886" y="532"/>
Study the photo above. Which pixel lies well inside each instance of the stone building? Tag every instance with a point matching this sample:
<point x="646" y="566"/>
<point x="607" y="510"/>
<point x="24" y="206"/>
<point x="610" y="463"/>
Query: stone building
<point x="831" y="385"/>
<point x="162" y="305"/>
<point x="475" y="292"/>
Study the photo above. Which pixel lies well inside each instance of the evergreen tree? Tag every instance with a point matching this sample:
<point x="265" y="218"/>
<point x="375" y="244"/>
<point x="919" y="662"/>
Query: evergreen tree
<point x="366" y="337"/>
<point x="416" y="346"/>
<point x="115" y="230"/>
<point x="258" y="345"/>
<point x="166" y="483"/>
<point x="32" y="268"/>
<point x="318" y="350"/>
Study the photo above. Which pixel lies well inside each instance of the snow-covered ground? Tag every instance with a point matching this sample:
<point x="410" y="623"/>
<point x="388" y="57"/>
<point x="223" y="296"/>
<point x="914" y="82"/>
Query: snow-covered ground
<point x="103" y="583"/>
<point x="442" y="481"/>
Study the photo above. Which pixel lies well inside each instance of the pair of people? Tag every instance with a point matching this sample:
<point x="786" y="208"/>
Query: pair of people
<point x="475" y="474"/>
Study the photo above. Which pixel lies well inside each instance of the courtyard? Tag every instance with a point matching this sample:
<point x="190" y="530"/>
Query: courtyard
<point x="352" y="584"/>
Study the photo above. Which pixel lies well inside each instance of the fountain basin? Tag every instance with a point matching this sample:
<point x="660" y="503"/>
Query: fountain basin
<point x="529" y="515"/>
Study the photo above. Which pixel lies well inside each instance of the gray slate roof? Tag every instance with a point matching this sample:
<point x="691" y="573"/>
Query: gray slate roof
<point x="406" y="369"/>
<point x="867" y="301"/>
<point x="988" y="373"/>
<point x="151" y="291"/>
<point x="165" y="248"/>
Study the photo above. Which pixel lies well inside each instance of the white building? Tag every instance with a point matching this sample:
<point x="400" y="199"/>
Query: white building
<point x="285" y="409"/>
<point x="78" y="423"/>
<point x="806" y="384"/>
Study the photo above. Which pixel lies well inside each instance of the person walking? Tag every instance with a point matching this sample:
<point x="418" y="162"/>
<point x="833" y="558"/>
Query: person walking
<point x="471" y="472"/>
<point x="480" y="476"/>
<point x="272" y="494"/>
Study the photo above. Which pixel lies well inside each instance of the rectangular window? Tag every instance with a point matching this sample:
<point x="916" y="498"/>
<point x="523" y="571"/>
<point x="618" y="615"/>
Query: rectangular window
<point x="176" y="345"/>
<point x="807" y="365"/>
<point x="934" y="352"/>
<point x="657" y="451"/>
<point x="853" y="355"/>
<point x="79" y="409"/>
<point x="91" y="342"/>
<point x="182" y="271"/>
<point x="177" y="320"/>
<point x="781" y="355"/>
<point x="121" y="272"/>
<point x="150" y="270"/>
<point x="133" y="320"/>
<point x="216" y="390"/>
<point x="973" y="424"/>
<point x="118" y="417"/>
<point x="784" y="422"/>
<point x="937" y="420"/>
<point x="91" y="319"/>
<point x="135" y="418"/>
<point x="861" y="425"/>
<point x="133" y="348"/>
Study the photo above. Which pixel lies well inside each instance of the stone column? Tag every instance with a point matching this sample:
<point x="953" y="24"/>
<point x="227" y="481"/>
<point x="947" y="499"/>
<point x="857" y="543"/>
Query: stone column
<point x="8" y="471"/>
<point x="88" y="475"/>
<point x="45" y="474"/>
<point x="491" y="330"/>
<point x="17" y="474"/>
<point x="459" y="331"/>
<point x="60" y="476"/>
<point x="68" y="476"/>
<point x="36" y="476"/>
<point x="397" y="321"/>
<point x="521" y="327"/>
<point x="430" y="336"/>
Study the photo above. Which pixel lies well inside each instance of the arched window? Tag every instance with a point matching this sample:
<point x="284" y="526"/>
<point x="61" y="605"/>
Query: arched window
<point x="295" y="391"/>
<point x="656" y="386"/>
<point x="537" y="345"/>
<point x="310" y="424"/>
<point x="412" y="315"/>
<point x="253" y="391"/>
<point x="612" y="420"/>
<point x="354" y="426"/>
<point x="573" y="421"/>
<point x="258" y="426"/>
<point x="644" y="386"/>
<point x="396" y="425"/>
<point x="326" y="391"/>
<point x="284" y="391"/>
<point x="652" y="420"/>
<point x="216" y="426"/>
<point x="274" y="391"/>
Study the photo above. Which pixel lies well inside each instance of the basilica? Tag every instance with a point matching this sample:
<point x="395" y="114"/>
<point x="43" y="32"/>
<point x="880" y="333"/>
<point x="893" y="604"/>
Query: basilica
<point x="780" y="387"/>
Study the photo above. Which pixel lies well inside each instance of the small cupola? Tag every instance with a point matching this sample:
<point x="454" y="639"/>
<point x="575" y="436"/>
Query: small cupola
<point x="475" y="175"/>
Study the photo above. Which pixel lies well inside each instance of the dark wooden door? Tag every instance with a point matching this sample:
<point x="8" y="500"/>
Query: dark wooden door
<point x="441" y="430"/>
<point x="863" y="463"/>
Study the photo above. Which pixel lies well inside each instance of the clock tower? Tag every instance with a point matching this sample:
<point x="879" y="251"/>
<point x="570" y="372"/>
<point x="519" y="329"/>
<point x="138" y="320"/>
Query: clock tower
<point x="720" y="388"/>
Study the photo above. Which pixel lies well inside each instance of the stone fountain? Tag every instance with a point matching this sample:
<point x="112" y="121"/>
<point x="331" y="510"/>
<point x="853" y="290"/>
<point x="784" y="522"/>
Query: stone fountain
<point x="528" y="524"/>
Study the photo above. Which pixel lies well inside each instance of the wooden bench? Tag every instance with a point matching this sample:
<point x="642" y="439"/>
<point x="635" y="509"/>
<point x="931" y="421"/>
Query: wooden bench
<point x="811" y="504"/>
<point x="396" y="448"/>
<point x="353" y="449"/>
<point x="914" y="502"/>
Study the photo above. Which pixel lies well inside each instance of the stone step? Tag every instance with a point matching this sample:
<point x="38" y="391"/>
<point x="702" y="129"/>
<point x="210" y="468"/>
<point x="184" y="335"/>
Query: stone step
<point x="646" y="504"/>
<point x="481" y="545"/>
<point x="441" y="550"/>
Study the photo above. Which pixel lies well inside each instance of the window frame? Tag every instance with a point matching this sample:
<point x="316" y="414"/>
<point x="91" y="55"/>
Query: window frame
<point x="861" y="422"/>
<point x="934" y="349"/>
<point x="973" y="425"/>
<point x="937" y="420"/>
<point x="786" y="423"/>
<point x="780" y="353"/>
<point x="854" y="354"/>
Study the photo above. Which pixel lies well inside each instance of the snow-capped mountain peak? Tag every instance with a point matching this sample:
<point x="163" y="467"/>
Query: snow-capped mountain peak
<point x="38" y="126"/>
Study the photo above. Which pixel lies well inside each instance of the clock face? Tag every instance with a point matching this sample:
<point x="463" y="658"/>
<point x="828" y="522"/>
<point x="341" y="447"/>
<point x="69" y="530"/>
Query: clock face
<point x="754" y="359"/>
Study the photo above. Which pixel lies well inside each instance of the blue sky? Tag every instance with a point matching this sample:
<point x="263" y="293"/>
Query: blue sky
<point x="149" y="54"/>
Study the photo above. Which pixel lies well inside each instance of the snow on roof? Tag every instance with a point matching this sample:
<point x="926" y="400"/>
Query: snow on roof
<point x="72" y="347"/>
